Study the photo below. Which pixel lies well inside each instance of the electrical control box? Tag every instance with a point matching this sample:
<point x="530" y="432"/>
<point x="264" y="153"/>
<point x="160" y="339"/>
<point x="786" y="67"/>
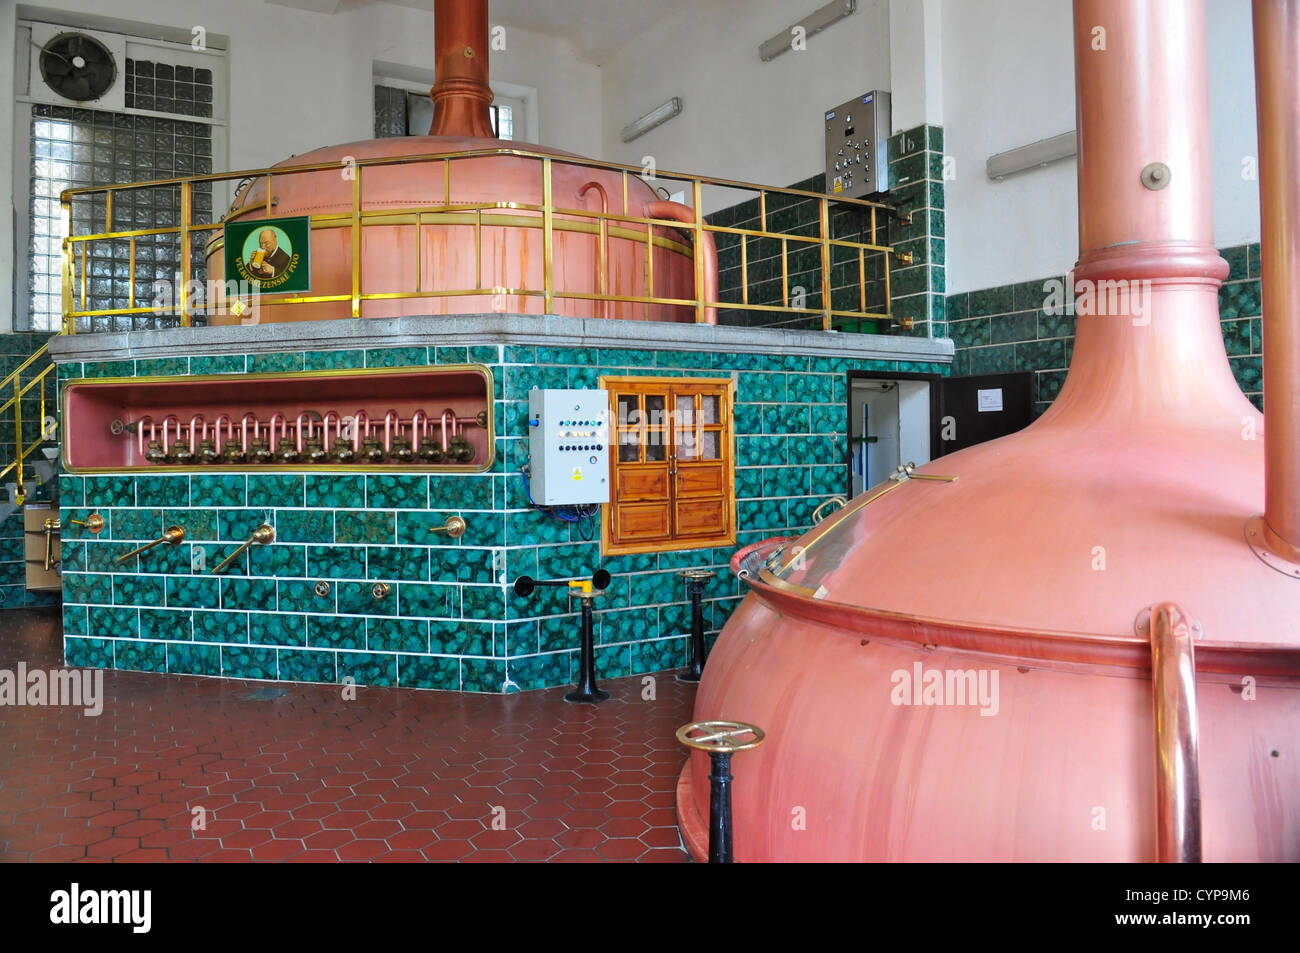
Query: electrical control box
<point x="568" y="443"/>
<point x="856" y="134"/>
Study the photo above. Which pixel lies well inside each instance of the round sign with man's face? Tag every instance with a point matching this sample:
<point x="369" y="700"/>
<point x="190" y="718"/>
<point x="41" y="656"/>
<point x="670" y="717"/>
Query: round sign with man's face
<point x="266" y="240"/>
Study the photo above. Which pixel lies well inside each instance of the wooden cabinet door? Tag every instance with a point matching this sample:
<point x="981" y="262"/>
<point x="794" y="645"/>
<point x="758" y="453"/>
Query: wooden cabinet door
<point x="700" y="471"/>
<point x="642" y="485"/>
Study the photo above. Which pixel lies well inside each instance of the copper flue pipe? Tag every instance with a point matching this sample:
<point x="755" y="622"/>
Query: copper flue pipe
<point x="461" y="95"/>
<point x="1277" y="101"/>
<point x="1173" y="694"/>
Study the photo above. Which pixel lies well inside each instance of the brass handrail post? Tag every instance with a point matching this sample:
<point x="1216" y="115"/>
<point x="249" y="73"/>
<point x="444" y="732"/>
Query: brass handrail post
<point x="697" y="198"/>
<point x="187" y="196"/>
<point x="69" y="323"/>
<point x="356" y="238"/>
<point x="548" y="239"/>
<point x="825" y="217"/>
<point x="1173" y="694"/>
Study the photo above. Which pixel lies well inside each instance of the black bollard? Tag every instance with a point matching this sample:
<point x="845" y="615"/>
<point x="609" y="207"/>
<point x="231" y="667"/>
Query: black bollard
<point x="721" y="739"/>
<point x="586" y="690"/>
<point x="695" y="580"/>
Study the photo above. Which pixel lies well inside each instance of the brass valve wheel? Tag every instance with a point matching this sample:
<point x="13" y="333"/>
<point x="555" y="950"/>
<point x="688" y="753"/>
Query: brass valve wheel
<point x="720" y="736"/>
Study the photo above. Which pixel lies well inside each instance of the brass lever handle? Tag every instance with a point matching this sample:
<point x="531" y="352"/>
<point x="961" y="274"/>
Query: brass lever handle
<point x="454" y="527"/>
<point x="94" y="523"/>
<point x="51" y="526"/>
<point x="263" y="534"/>
<point x="173" y="535"/>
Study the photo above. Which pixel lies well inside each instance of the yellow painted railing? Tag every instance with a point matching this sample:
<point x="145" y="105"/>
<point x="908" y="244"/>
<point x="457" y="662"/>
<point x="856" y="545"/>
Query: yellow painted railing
<point x="13" y="407"/>
<point x="78" y="249"/>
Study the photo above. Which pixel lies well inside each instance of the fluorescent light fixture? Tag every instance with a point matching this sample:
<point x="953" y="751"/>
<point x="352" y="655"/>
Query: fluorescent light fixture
<point x="814" y="22"/>
<point x="1032" y="156"/>
<point x="655" y="117"/>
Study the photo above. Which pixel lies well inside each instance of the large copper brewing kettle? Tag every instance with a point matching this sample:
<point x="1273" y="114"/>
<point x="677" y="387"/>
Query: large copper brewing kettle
<point x="1032" y="583"/>
<point x="500" y="250"/>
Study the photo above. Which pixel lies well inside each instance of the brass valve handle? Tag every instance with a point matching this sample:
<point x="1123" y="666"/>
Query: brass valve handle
<point x="94" y="523"/>
<point x="173" y="535"/>
<point x="51" y="526"/>
<point x="263" y="534"/>
<point x="720" y="736"/>
<point x="454" y="527"/>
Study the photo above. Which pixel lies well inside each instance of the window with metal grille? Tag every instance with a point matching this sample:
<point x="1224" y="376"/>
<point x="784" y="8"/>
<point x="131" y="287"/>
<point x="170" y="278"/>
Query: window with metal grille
<point x="404" y="112"/>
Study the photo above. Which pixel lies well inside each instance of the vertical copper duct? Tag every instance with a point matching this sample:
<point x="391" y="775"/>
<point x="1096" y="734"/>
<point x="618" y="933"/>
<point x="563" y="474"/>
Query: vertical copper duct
<point x="1142" y="98"/>
<point x="1277" y="98"/>
<point x="461" y="95"/>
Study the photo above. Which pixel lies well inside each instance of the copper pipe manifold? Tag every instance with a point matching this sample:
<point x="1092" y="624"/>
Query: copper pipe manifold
<point x="308" y="437"/>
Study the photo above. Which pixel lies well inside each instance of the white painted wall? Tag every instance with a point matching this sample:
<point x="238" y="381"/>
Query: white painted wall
<point x="742" y="118"/>
<point x="300" y="80"/>
<point x="1008" y="81"/>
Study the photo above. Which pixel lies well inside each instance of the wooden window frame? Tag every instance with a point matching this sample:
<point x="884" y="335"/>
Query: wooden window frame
<point x="611" y="541"/>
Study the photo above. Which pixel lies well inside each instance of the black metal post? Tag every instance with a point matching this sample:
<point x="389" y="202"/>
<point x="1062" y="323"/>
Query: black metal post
<point x="695" y="580"/>
<point x="586" y="690"/>
<point x="720" y="807"/>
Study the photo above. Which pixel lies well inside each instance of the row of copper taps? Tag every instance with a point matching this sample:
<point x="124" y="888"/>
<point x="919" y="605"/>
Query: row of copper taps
<point x="310" y="438"/>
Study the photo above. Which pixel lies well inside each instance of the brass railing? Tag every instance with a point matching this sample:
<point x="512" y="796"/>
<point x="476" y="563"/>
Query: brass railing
<point x="873" y="225"/>
<point x="13" y="384"/>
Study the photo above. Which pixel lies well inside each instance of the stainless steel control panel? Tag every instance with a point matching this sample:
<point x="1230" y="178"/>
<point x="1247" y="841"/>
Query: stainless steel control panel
<point x="856" y="134"/>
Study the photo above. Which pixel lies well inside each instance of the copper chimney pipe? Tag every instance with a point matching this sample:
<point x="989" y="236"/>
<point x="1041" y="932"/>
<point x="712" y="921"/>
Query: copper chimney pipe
<point x="1277" y="98"/>
<point x="461" y="95"/>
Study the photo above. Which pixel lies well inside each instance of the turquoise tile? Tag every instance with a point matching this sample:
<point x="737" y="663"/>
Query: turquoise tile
<point x="265" y="628"/>
<point x="531" y="528"/>
<point x="243" y="593"/>
<point x="629" y="625"/>
<point x="103" y="557"/>
<point x="109" y="491"/>
<point x="1237" y="337"/>
<point x="341" y="562"/>
<point x="189" y="659"/>
<point x="1249" y="373"/>
<point x="299" y="595"/>
<point x="113" y="623"/>
<point x="469" y="491"/>
<point x="424" y="671"/>
<point x="305" y="665"/>
<point x="521" y="638"/>
<point x="214" y="554"/>
<point x="162" y="490"/>
<point x="485" y="354"/>
<point x="275" y="489"/>
<point x="218" y="489"/>
<point x="408" y="563"/>
<point x="1239" y="299"/>
<point x="218" y="364"/>
<point x="456" y="637"/>
<point x="333" y="360"/>
<point x="460" y="564"/>
<point x="138" y="590"/>
<point x="829" y="480"/>
<point x="88" y="653"/>
<point x="72" y="491"/>
<point x="239" y="661"/>
<point x="424" y="599"/>
<point x="170" y="624"/>
<point x="196" y="592"/>
<point x="541" y="671"/>
<point x="658" y="587"/>
<point x="335" y="632"/>
<point x="613" y="661"/>
<point x="786" y="481"/>
<point x="83" y="588"/>
<point x="110" y="369"/>
<point x="993" y="360"/>
<point x="359" y="598"/>
<point x="520" y="380"/>
<point x="397" y="491"/>
<point x="137" y="524"/>
<point x="810" y="388"/>
<point x="368" y="668"/>
<point x="198" y="524"/>
<point x="162" y="367"/>
<point x="397" y="357"/>
<point x="335" y="490"/>
<point x="416" y="528"/>
<point x="517" y="354"/>
<point x="482" y="602"/>
<point x="659" y="655"/>
<point x="274" y="363"/>
<point x="74" y="620"/>
<point x="220" y="626"/>
<point x="304" y="526"/>
<point x="565" y="355"/>
<point x="1041" y="355"/>
<point x="363" y="527"/>
<point x="277" y="559"/>
<point x="238" y="525"/>
<point x="398" y="635"/>
<point x="449" y="355"/>
<point x="140" y="656"/>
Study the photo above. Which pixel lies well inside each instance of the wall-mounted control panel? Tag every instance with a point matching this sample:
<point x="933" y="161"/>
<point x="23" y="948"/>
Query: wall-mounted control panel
<point x="568" y="442"/>
<point x="856" y="134"/>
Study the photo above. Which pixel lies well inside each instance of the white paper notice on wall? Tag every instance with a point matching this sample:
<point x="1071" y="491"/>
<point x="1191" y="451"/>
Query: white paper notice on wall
<point x="989" y="400"/>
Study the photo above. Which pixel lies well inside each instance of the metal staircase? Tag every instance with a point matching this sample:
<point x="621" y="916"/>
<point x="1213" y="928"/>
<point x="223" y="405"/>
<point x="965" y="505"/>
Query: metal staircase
<point x="19" y="385"/>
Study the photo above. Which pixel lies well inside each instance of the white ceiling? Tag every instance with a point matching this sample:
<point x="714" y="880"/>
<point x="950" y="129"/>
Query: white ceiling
<point x="596" y="29"/>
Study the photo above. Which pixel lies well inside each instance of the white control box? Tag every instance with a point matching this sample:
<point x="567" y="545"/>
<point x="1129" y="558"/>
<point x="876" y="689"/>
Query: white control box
<point x="568" y="441"/>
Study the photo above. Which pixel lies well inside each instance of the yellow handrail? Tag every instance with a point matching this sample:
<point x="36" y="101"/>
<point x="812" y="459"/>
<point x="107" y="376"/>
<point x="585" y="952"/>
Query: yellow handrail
<point x="14" y="382"/>
<point x="547" y="216"/>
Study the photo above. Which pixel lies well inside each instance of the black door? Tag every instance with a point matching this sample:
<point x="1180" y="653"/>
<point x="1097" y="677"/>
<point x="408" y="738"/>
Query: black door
<point x="975" y="409"/>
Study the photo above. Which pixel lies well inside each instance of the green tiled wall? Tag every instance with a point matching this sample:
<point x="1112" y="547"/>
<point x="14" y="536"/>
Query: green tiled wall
<point x="451" y="620"/>
<point x="1002" y="329"/>
<point x="916" y="186"/>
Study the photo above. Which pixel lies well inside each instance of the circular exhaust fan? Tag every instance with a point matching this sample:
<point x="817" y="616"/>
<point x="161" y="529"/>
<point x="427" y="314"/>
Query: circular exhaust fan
<point x="77" y="67"/>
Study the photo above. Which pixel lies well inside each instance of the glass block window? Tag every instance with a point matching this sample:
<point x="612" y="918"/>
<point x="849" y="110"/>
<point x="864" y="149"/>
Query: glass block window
<point x="399" y="112"/>
<point x="73" y="147"/>
<point x="503" y="117"/>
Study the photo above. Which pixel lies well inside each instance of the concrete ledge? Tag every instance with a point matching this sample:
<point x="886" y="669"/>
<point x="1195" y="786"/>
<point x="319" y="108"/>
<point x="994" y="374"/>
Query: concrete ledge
<point x="478" y="329"/>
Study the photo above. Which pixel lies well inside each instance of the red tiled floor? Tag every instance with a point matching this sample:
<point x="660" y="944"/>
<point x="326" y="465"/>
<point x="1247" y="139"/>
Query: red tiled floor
<point x="396" y="775"/>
